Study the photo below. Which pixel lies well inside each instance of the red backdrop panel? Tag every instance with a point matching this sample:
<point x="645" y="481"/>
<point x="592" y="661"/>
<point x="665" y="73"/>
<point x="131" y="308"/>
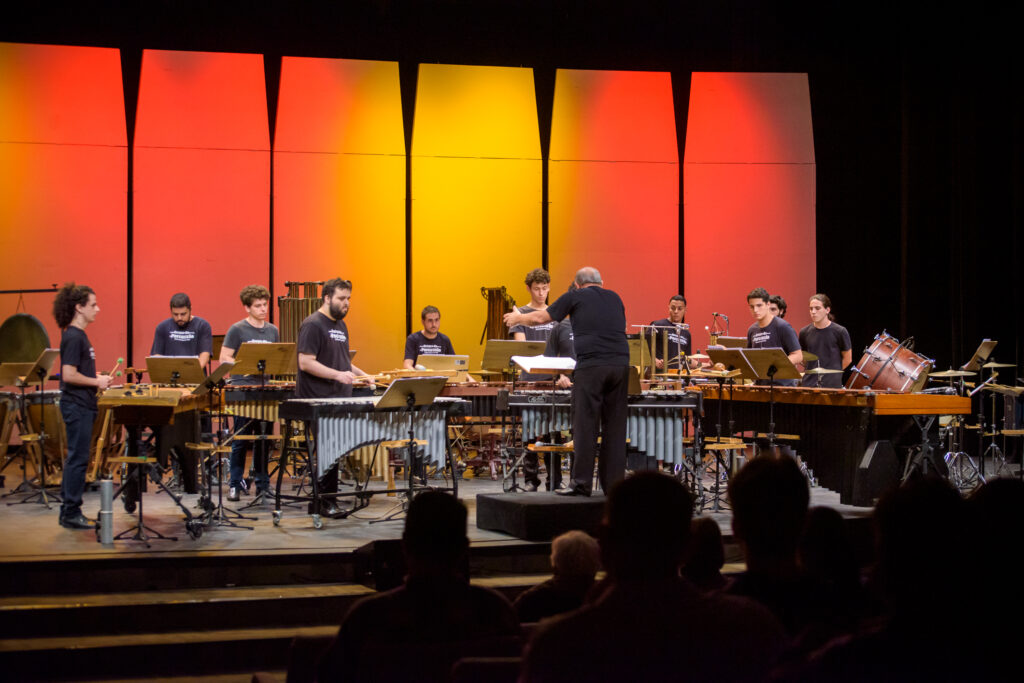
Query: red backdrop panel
<point x="339" y="193"/>
<point x="63" y="160"/>
<point x="202" y="187"/>
<point x="614" y="186"/>
<point x="749" y="203"/>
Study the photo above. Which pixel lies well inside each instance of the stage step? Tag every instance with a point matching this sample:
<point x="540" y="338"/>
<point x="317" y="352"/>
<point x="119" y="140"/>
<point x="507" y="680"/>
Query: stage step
<point x="206" y="632"/>
<point x="176" y="653"/>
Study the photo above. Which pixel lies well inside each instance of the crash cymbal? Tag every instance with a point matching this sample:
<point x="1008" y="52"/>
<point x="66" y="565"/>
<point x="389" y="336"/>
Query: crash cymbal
<point x="822" y="371"/>
<point x="808" y="357"/>
<point x="952" y="373"/>
<point x="699" y="356"/>
<point x="993" y="364"/>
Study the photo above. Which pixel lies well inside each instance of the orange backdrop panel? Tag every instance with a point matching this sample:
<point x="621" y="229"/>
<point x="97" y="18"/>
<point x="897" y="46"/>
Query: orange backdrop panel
<point x="63" y="161"/>
<point x="202" y="187"/>
<point x="749" y="196"/>
<point x="476" y="190"/>
<point x="614" y="186"/>
<point x="339" y="192"/>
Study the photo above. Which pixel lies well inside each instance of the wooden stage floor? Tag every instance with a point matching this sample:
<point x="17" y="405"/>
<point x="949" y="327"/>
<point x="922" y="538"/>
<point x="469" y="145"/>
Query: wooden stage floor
<point x="31" y="532"/>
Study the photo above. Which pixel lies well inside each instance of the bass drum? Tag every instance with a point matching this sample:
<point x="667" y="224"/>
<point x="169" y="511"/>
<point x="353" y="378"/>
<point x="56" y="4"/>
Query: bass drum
<point x="889" y="365"/>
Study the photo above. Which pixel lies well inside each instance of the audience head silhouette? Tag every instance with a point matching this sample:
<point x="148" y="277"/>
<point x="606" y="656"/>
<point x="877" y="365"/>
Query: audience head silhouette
<point x="575" y="553"/>
<point x="705" y="555"/>
<point x="769" y="499"/>
<point x="646" y="527"/>
<point x="435" y="539"/>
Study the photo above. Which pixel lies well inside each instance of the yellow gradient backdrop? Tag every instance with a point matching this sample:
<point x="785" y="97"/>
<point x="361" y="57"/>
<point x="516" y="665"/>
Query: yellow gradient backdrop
<point x="476" y="190"/>
<point x="339" y="193"/>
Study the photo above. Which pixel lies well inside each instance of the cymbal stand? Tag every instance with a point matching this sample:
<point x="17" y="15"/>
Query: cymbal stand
<point x="993" y="447"/>
<point x="963" y="470"/>
<point x="982" y="451"/>
<point x="39" y="495"/>
<point x="138" y="472"/>
<point x="717" y="495"/>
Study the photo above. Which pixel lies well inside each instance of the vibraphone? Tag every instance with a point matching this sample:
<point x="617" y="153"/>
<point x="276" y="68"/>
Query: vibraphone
<point x="655" y="421"/>
<point x="256" y="402"/>
<point x="340" y="425"/>
<point x="834" y="426"/>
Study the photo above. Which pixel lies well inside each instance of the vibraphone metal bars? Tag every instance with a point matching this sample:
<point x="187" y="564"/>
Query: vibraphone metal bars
<point x="335" y="427"/>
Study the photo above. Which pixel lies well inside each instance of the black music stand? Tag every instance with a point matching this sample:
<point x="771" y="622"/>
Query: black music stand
<point x="539" y="365"/>
<point x="980" y="355"/>
<point x="219" y="514"/>
<point x="498" y="355"/>
<point x="37" y="374"/>
<point x="408" y="393"/>
<point x="175" y="370"/>
<point x="255" y="358"/>
<point x="771" y="364"/>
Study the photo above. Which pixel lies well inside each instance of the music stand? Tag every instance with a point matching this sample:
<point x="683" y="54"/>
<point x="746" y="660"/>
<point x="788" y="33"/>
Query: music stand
<point x="980" y="356"/>
<point x="540" y="365"/>
<point x="498" y="355"/>
<point x="257" y="358"/>
<point x="408" y="393"/>
<point x="175" y="370"/>
<point x="37" y="373"/>
<point x="771" y="364"/>
<point x="732" y="342"/>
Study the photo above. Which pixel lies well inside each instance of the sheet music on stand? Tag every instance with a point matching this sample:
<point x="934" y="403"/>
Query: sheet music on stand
<point x="733" y="359"/>
<point x="279" y="359"/>
<point x="175" y="370"/>
<point x="545" y="365"/>
<point x="406" y="392"/>
<point x="40" y="370"/>
<point x="980" y="356"/>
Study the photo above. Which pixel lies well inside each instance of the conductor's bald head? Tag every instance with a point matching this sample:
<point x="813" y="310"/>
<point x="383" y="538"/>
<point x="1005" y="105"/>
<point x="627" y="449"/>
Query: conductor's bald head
<point x="587" y="276"/>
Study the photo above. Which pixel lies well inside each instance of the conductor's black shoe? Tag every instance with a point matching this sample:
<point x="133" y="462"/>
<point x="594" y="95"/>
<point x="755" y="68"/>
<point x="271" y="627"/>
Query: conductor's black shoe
<point x="78" y="521"/>
<point x="573" y="492"/>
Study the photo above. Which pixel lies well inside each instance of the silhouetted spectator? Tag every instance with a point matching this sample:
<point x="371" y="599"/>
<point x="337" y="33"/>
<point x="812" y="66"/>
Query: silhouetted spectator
<point x="575" y="558"/>
<point x="922" y="540"/>
<point x="418" y="630"/>
<point x="705" y="555"/>
<point x="651" y="624"/>
<point x="769" y="499"/>
<point x="827" y="561"/>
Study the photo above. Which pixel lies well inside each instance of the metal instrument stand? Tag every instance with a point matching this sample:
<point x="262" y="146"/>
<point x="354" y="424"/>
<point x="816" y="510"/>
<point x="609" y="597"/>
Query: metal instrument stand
<point x="39" y="372"/>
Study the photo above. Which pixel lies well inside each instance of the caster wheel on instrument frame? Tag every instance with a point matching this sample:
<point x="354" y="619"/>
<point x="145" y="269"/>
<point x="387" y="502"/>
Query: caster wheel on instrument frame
<point x="317" y="522"/>
<point x="194" y="528"/>
<point x="277" y="518"/>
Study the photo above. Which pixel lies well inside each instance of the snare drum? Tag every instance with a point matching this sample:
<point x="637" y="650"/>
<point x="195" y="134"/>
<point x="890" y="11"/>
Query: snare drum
<point x="888" y="365"/>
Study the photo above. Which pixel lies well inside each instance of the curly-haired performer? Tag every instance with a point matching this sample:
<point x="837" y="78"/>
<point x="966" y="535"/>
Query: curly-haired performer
<point x="75" y="308"/>
<point x="253" y="328"/>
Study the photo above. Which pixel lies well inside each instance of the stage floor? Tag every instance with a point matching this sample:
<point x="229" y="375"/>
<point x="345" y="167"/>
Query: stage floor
<point x="31" y="532"/>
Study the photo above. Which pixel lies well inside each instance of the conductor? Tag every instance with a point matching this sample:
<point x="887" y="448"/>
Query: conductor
<point x="601" y="380"/>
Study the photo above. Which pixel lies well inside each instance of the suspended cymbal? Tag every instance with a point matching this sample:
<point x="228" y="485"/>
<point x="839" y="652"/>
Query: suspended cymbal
<point x="22" y="339"/>
<point x="952" y="373"/>
<point x="699" y="356"/>
<point x="822" y="371"/>
<point x="993" y="364"/>
<point x="808" y="357"/>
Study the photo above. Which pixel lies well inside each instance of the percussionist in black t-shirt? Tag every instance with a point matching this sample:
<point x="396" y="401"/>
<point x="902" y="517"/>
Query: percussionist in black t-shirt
<point x="183" y="334"/>
<point x="429" y="341"/>
<point x="828" y="340"/>
<point x="771" y="332"/>
<point x="601" y="378"/>
<point x="678" y="334"/>
<point x="325" y="365"/>
<point x="75" y="308"/>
